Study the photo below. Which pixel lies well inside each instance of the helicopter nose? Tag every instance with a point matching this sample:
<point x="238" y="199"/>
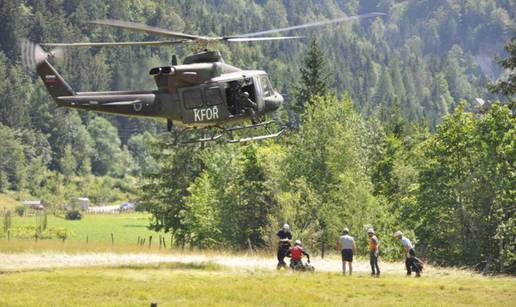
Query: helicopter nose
<point x="272" y="103"/>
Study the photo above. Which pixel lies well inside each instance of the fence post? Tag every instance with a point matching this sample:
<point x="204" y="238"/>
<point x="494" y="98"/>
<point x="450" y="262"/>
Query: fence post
<point x="164" y="245"/>
<point x="8" y="235"/>
<point x="87" y="239"/>
<point x="137" y="244"/>
<point x="250" y="246"/>
<point x="142" y="243"/>
<point x="150" y="241"/>
<point x="159" y="241"/>
<point x="112" y="239"/>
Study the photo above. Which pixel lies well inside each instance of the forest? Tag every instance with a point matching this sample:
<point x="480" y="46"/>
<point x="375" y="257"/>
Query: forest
<point x="388" y="134"/>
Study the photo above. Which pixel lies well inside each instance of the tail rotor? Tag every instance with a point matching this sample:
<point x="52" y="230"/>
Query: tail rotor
<point x="32" y="54"/>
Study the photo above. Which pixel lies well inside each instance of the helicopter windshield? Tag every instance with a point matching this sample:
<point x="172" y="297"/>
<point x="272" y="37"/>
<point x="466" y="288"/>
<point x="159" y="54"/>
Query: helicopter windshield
<point x="266" y="86"/>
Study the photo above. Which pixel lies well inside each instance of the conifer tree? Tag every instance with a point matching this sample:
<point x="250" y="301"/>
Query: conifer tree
<point x="507" y="86"/>
<point x="314" y="77"/>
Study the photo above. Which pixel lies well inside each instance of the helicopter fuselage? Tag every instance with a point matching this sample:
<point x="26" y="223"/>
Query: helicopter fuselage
<point x="192" y="95"/>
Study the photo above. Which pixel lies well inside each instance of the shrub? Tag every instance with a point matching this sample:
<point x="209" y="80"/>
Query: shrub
<point x="139" y="207"/>
<point x="20" y="210"/>
<point x="73" y="215"/>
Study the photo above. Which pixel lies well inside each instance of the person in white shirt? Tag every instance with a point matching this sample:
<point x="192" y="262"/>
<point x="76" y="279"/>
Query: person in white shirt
<point x="347" y="249"/>
<point x="411" y="261"/>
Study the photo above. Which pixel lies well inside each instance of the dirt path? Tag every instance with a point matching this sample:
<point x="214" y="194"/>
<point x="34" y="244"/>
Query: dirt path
<point x="31" y="261"/>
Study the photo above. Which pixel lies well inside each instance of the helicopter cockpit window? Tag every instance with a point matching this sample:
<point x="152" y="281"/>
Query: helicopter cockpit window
<point x="192" y="99"/>
<point x="266" y="86"/>
<point x="213" y="96"/>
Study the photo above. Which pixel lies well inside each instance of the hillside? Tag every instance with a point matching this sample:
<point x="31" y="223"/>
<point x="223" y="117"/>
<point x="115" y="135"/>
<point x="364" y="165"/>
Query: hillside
<point x="7" y="202"/>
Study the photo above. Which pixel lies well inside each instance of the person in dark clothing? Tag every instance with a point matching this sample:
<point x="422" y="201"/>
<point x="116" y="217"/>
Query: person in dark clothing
<point x="285" y="240"/>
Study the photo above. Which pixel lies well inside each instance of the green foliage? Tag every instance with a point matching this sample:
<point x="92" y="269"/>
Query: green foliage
<point x="68" y="163"/>
<point x="162" y="193"/>
<point x="12" y="164"/>
<point x="32" y="231"/>
<point x="315" y="76"/>
<point x="507" y="85"/>
<point x="107" y="157"/>
<point x="327" y="158"/>
<point x="20" y="210"/>
<point x="463" y="207"/>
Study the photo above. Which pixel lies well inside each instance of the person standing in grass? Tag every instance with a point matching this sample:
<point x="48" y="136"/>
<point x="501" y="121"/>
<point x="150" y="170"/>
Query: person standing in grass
<point x="284" y="242"/>
<point x="347" y="249"/>
<point x="411" y="261"/>
<point x="374" y="249"/>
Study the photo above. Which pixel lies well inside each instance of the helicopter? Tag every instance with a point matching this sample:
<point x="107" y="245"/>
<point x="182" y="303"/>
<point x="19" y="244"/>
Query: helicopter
<point x="203" y="92"/>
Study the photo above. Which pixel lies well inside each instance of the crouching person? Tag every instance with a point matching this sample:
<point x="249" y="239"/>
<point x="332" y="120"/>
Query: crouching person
<point x="412" y="263"/>
<point x="296" y="256"/>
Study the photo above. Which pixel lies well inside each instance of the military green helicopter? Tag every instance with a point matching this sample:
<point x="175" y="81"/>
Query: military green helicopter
<point x="202" y="92"/>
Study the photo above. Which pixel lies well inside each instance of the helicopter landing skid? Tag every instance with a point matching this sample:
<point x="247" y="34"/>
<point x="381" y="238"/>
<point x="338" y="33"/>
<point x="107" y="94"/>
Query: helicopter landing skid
<point x="227" y="134"/>
<point x="265" y="125"/>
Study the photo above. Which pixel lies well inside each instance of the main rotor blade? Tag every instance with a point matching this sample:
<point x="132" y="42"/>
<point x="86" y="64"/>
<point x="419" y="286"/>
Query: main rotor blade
<point x="307" y="25"/>
<point x="133" y="26"/>
<point x="266" y="38"/>
<point x="114" y="44"/>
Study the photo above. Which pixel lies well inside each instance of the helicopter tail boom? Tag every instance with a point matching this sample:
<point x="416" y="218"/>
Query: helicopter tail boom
<point x="54" y="82"/>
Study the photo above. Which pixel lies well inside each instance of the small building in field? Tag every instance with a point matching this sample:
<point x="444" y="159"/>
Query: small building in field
<point x="83" y="203"/>
<point x="33" y="204"/>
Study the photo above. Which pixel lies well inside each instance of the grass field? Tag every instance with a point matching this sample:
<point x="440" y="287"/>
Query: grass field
<point x="126" y="228"/>
<point x="72" y="273"/>
<point x="188" y="284"/>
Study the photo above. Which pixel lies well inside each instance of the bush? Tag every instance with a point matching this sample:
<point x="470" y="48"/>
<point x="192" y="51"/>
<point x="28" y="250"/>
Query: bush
<point x="20" y="210"/>
<point x="73" y="215"/>
<point x="30" y="231"/>
<point x="139" y="207"/>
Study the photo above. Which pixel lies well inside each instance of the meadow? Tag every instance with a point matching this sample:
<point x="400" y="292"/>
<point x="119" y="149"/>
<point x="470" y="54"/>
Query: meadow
<point x="205" y="284"/>
<point x="73" y="273"/>
<point x="97" y="228"/>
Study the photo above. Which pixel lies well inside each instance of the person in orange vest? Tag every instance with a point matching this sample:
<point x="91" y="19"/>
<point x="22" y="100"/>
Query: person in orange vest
<point x="374" y="249"/>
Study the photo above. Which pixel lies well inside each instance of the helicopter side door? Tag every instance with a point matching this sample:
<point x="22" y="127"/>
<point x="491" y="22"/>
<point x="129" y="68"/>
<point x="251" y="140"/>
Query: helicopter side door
<point x="203" y="105"/>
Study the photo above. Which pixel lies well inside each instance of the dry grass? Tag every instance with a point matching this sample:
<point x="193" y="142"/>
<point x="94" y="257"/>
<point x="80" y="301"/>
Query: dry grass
<point x="74" y="274"/>
<point x="205" y="284"/>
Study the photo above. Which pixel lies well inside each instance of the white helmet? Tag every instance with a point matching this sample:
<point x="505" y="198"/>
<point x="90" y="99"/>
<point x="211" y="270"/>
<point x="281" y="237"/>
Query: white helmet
<point x="298" y="242"/>
<point x="398" y="234"/>
<point x="286" y="228"/>
<point x="370" y="230"/>
<point x="345" y="230"/>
